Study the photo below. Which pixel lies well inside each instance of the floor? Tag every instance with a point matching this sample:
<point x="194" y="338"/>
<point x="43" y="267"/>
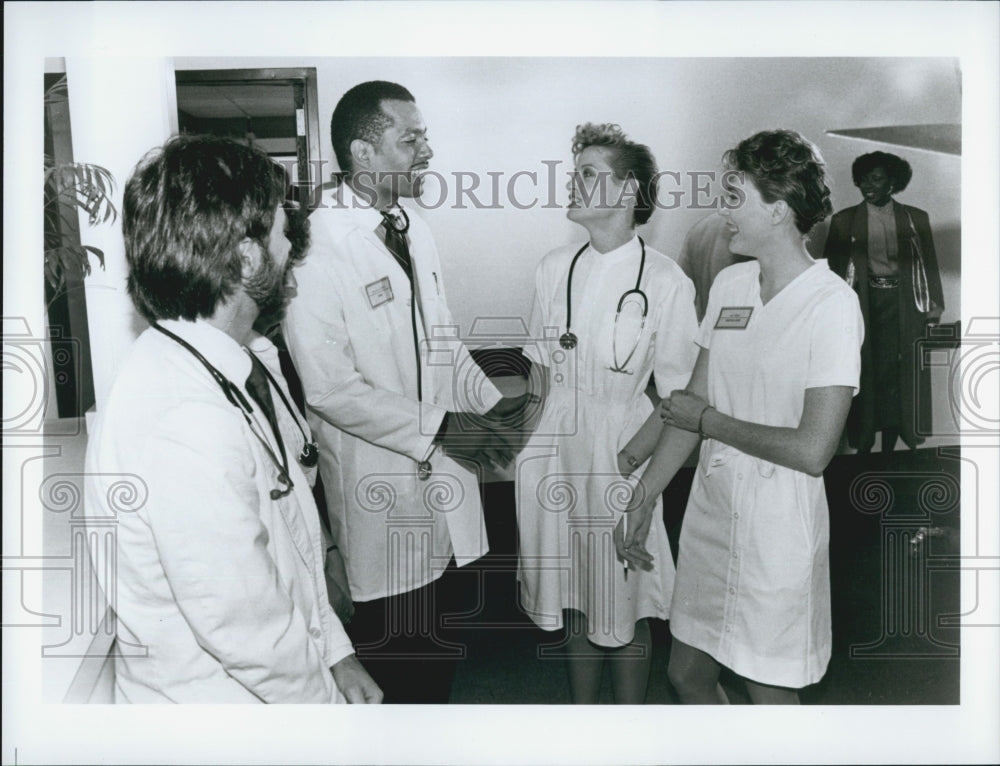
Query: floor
<point x="893" y="589"/>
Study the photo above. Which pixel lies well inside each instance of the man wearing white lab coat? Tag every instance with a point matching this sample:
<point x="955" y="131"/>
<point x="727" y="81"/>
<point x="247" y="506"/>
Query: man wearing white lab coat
<point x="219" y="588"/>
<point x="387" y="383"/>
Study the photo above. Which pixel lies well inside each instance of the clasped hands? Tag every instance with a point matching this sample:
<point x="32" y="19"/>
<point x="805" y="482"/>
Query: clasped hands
<point x="493" y="438"/>
<point x="683" y="410"/>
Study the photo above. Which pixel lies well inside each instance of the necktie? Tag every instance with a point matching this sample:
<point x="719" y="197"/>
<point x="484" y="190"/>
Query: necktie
<point x="395" y="241"/>
<point x="260" y="391"/>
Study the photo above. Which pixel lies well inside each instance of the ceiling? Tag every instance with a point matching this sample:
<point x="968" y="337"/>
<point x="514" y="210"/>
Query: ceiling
<point x="236" y="100"/>
<point x="942" y="138"/>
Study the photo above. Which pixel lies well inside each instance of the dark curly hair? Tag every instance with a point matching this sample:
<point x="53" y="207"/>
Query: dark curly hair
<point x="784" y="165"/>
<point x="898" y="169"/>
<point x="627" y="159"/>
<point x="186" y="208"/>
<point x="359" y="115"/>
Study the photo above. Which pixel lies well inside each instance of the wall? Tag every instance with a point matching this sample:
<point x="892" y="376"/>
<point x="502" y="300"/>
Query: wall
<point x="505" y="115"/>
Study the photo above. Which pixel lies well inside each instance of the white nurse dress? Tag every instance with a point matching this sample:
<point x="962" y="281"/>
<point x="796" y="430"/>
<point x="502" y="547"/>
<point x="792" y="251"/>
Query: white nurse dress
<point x="570" y="495"/>
<point x="753" y="576"/>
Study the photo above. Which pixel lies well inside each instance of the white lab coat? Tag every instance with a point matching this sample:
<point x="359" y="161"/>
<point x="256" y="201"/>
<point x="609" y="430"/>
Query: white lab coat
<point x="352" y="343"/>
<point x="222" y="585"/>
<point x="753" y="571"/>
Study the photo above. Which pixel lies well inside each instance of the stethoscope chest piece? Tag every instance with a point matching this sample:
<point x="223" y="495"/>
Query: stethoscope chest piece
<point x="568" y="340"/>
<point x="309" y="456"/>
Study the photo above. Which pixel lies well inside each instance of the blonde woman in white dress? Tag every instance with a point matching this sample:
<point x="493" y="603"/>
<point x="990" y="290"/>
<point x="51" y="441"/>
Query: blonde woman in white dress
<point x="610" y="311"/>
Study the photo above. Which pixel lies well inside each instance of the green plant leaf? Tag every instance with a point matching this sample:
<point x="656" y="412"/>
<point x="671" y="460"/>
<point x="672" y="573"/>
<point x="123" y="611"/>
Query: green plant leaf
<point x="86" y="187"/>
<point x="98" y="253"/>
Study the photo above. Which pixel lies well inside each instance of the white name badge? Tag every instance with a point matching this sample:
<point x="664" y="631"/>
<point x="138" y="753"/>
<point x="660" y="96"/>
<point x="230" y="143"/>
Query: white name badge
<point x="379" y="292"/>
<point x="734" y="318"/>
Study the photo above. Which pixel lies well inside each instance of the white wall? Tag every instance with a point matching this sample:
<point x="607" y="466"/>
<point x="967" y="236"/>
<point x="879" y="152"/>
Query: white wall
<point x="511" y="114"/>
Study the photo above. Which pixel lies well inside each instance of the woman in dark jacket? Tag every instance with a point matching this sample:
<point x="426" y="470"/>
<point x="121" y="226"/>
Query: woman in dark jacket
<point x="886" y="252"/>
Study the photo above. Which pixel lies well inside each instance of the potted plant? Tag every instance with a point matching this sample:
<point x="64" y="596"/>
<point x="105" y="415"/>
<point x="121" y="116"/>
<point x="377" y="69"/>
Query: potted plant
<point x="69" y="187"/>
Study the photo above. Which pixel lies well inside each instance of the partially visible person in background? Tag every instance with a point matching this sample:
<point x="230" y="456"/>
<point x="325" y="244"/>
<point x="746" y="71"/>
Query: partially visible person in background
<point x="623" y="311"/>
<point x="268" y="345"/>
<point x="704" y="254"/>
<point x="885" y="251"/>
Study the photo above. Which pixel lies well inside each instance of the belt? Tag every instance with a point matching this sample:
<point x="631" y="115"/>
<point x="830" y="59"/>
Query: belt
<point x="882" y="282"/>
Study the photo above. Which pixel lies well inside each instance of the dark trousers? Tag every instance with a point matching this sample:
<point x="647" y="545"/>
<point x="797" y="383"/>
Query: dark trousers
<point x="406" y="643"/>
<point x="883" y="308"/>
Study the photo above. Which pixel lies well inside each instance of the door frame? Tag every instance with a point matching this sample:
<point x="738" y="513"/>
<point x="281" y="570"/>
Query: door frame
<point x="303" y="80"/>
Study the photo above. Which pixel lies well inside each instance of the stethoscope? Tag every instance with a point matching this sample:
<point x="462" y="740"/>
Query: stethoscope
<point x="309" y="456"/>
<point x="424" y="467"/>
<point x="400" y="227"/>
<point x="568" y="339"/>
<point x="390" y="221"/>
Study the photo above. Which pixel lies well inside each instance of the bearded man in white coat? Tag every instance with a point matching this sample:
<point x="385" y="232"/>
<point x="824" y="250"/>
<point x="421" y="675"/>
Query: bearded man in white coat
<point x="404" y="417"/>
<point x="220" y="579"/>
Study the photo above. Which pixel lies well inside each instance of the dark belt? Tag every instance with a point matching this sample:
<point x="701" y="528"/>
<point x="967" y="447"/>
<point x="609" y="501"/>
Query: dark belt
<point x="882" y="282"/>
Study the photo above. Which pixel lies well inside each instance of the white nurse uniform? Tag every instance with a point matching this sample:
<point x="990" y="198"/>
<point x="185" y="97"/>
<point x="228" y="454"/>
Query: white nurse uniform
<point x="753" y="581"/>
<point x="570" y="495"/>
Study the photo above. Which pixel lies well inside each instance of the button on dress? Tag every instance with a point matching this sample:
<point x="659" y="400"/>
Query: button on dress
<point x="570" y="495"/>
<point x="753" y="573"/>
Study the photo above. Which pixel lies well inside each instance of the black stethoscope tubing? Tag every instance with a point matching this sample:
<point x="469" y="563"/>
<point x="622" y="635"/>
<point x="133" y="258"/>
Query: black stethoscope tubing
<point x="568" y="340"/>
<point x="424" y="468"/>
<point x="390" y="222"/>
<point x="238" y="400"/>
<point x="309" y="456"/>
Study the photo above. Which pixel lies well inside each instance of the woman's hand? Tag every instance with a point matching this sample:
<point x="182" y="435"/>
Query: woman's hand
<point x="631" y="546"/>
<point x="683" y="410"/>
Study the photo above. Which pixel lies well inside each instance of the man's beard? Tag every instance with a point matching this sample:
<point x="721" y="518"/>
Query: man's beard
<point x="268" y="288"/>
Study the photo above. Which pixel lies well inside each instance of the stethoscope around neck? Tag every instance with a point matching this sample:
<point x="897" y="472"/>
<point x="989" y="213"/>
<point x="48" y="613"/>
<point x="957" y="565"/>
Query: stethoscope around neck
<point x="309" y="456"/>
<point x="568" y="339"/>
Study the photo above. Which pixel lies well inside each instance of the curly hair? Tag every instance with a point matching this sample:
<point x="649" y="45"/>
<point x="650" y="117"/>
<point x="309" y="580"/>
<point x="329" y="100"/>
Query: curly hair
<point x="784" y="165"/>
<point x="359" y="115"/>
<point x="898" y="169"/>
<point x="187" y="206"/>
<point x="627" y="159"/>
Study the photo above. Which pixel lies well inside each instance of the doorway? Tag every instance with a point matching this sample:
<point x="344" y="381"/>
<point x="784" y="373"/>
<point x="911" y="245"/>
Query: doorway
<point x="273" y="109"/>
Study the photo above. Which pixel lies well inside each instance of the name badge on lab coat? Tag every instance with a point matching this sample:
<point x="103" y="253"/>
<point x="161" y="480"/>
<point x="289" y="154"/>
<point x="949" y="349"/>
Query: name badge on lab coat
<point x="379" y="292"/>
<point x="734" y="318"/>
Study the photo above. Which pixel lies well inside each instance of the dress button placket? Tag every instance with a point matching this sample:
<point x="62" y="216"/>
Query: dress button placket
<point x="733" y="578"/>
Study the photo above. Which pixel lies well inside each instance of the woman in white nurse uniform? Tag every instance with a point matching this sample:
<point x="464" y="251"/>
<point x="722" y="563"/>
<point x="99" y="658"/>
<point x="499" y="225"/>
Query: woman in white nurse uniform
<point x="778" y="366"/>
<point x="607" y="313"/>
